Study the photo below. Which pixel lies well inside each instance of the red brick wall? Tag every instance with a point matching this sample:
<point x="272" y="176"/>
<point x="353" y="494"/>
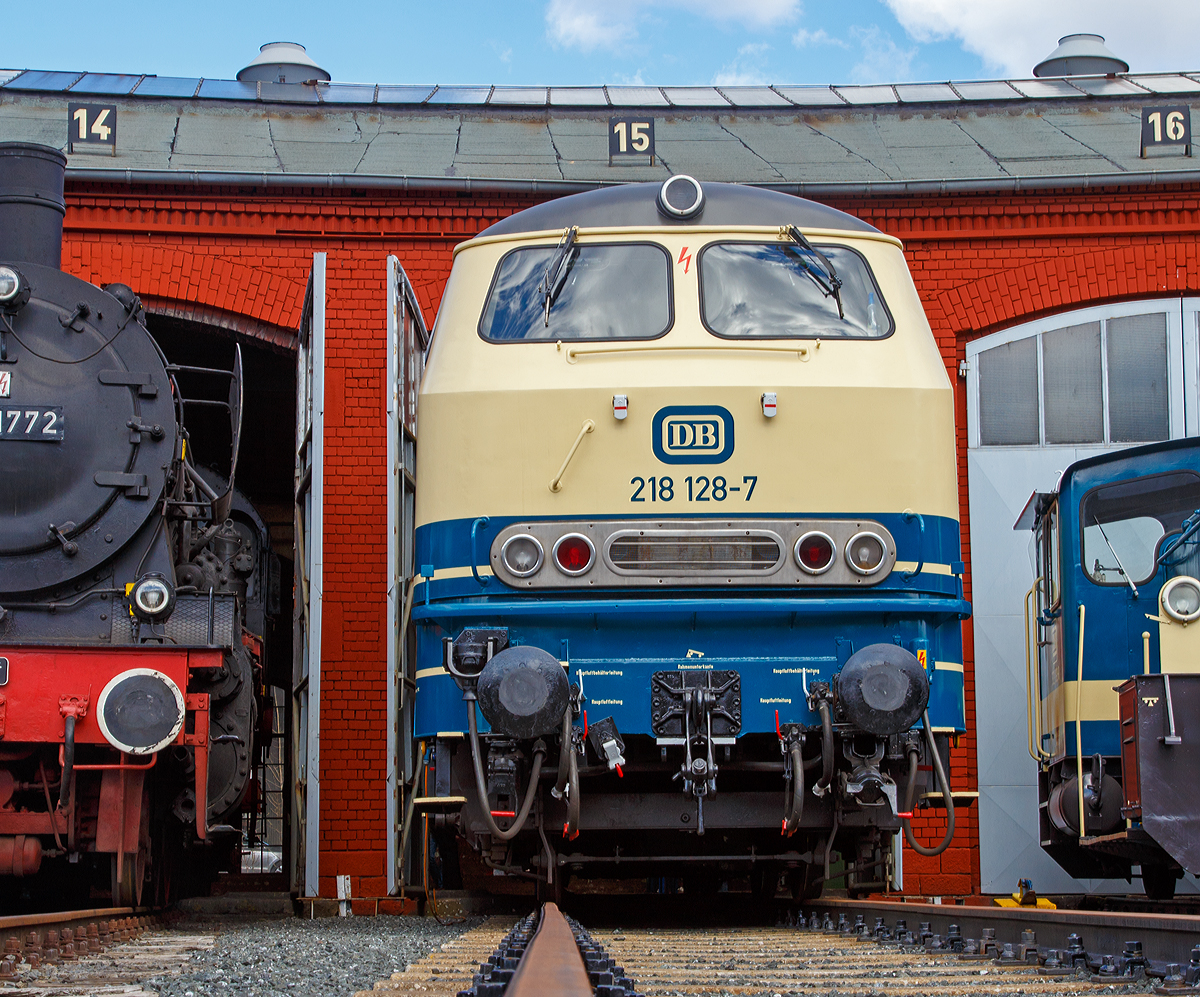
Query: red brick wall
<point x="979" y="263"/>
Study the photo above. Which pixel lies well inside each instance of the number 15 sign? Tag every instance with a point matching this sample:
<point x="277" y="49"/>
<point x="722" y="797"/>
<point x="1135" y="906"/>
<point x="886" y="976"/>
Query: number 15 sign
<point x="630" y="138"/>
<point x="92" y="125"/>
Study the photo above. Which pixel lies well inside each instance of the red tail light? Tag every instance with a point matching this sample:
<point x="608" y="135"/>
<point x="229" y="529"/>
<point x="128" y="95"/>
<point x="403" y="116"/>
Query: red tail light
<point x="815" y="552"/>
<point x="574" y="554"/>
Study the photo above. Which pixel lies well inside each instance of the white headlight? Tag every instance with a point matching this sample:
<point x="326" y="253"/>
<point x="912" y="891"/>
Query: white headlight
<point x="10" y="284"/>
<point x="522" y="555"/>
<point x="1180" y="599"/>
<point x="153" y="598"/>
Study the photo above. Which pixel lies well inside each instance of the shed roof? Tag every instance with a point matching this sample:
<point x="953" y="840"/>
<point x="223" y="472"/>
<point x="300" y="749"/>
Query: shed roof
<point x="982" y="135"/>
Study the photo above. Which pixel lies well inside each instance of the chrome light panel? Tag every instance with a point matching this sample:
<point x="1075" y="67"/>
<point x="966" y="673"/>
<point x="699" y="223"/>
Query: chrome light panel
<point x="653" y="553"/>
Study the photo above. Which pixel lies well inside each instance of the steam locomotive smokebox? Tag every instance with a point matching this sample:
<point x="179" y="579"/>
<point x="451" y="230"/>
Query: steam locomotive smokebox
<point x="523" y="692"/>
<point x="882" y="689"/>
<point x="31" y="203"/>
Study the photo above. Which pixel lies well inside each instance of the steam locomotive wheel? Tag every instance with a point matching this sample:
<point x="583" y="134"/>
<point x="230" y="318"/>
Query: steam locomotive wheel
<point x="128" y="884"/>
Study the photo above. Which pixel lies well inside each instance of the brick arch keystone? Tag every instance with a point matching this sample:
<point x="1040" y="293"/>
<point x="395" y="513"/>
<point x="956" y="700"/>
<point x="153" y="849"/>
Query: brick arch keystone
<point x="1012" y="296"/>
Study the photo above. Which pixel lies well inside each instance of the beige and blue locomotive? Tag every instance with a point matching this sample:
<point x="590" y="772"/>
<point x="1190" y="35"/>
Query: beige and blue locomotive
<point x="688" y="519"/>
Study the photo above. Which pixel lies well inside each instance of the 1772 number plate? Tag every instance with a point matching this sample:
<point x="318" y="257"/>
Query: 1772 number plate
<point x="35" y="422"/>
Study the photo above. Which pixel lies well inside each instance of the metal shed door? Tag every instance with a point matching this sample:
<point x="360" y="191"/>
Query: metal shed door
<point x="306" y="663"/>
<point x="407" y="340"/>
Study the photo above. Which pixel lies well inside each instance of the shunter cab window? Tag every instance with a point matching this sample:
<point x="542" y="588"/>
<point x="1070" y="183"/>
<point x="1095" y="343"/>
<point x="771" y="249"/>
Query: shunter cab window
<point x="751" y="290"/>
<point x="597" y="292"/>
<point x="1124" y="523"/>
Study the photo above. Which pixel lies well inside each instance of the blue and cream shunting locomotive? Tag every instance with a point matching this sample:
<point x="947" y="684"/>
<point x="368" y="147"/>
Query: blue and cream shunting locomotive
<point x="1113" y="662"/>
<point x="688" y="520"/>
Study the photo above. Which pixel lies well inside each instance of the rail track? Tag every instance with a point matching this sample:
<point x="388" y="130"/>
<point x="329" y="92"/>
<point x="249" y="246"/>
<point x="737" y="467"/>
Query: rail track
<point x="91" y="953"/>
<point x="847" y="947"/>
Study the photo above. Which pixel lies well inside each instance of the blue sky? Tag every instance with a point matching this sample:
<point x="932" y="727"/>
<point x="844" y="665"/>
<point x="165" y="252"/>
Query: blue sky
<point x="569" y="42"/>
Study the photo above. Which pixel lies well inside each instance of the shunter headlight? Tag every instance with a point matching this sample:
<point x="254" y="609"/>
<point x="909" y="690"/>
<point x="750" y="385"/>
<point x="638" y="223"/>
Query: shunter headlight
<point x="10" y="284"/>
<point x="814" y="552"/>
<point x="522" y="555"/>
<point x="1181" y="599"/>
<point x="574" y="554"/>
<point x="140" y="711"/>
<point x="865" y="553"/>
<point x="153" y="597"/>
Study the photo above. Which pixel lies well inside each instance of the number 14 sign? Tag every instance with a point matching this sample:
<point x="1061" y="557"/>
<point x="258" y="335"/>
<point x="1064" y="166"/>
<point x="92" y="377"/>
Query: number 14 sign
<point x="92" y="125"/>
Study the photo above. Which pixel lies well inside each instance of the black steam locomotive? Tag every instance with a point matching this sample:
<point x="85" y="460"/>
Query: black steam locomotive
<point x="135" y="586"/>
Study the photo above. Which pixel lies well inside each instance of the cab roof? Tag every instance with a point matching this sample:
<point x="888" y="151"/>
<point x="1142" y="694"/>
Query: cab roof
<point x="635" y="205"/>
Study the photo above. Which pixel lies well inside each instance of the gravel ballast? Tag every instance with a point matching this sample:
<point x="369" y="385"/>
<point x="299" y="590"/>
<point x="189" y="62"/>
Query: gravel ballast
<point x="326" y="957"/>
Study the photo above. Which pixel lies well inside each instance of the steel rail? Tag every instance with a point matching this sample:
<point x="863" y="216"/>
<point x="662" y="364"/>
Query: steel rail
<point x="552" y="963"/>
<point x="1165" y="937"/>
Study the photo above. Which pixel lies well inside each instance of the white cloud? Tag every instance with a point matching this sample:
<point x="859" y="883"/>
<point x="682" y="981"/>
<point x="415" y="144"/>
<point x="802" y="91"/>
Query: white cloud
<point x="746" y="69"/>
<point x="883" y="61"/>
<point x="588" y="25"/>
<point x="1014" y="36"/>
<point x="803" y="38"/>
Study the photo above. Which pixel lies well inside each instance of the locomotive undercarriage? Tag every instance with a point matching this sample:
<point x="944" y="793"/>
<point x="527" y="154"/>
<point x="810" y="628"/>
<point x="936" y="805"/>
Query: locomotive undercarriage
<point x="702" y="840"/>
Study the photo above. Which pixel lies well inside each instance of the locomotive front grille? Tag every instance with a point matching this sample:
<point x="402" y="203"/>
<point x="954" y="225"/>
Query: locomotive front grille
<point x="674" y="553"/>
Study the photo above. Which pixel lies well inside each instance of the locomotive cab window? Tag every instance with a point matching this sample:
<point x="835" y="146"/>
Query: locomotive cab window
<point x="777" y="290"/>
<point x="1048" y="555"/>
<point x="579" y="292"/>
<point x="1124" y="524"/>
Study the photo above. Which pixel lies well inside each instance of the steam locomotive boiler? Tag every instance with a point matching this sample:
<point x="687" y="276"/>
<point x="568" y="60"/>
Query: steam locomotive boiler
<point x="133" y="583"/>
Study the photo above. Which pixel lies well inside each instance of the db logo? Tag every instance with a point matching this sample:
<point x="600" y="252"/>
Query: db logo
<point x="693" y="434"/>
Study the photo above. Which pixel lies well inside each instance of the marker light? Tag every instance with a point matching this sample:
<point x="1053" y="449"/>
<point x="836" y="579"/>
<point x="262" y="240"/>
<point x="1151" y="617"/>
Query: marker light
<point x="620" y="406"/>
<point x="865" y="553"/>
<point x="522" y="555"/>
<point x="1181" y="599"/>
<point x="769" y="404"/>
<point x="814" y="552"/>
<point x="153" y="598"/>
<point x="10" y="284"/>
<point x="574" y="554"/>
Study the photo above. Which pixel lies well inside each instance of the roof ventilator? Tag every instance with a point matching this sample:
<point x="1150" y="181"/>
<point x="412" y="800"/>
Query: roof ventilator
<point x="1081" y="55"/>
<point x="283" y="62"/>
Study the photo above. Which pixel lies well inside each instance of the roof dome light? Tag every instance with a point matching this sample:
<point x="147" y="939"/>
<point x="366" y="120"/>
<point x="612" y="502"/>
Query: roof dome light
<point x="1081" y="55"/>
<point x="283" y="62"/>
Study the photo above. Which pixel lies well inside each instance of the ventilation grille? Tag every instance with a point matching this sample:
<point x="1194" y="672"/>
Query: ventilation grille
<point x="686" y="553"/>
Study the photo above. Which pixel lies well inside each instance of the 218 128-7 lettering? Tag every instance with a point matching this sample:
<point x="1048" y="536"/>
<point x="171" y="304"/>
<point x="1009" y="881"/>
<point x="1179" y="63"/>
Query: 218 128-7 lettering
<point x="700" y="488"/>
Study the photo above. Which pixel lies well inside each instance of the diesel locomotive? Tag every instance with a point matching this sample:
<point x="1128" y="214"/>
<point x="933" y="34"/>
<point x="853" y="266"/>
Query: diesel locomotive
<point x="688" y="531"/>
<point x="1113" y="664"/>
<point x="135" y="585"/>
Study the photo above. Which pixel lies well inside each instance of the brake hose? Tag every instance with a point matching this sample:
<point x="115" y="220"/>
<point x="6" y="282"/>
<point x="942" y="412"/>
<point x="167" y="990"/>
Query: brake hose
<point x="826" y="747"/>
<point x="64" y="791"/>
<point x="792" y="820"/>
<point x="940" y="770"/>
<point x="561" y="783"/>
<point x="572" y="828"/>
<point x="539" y="752"/>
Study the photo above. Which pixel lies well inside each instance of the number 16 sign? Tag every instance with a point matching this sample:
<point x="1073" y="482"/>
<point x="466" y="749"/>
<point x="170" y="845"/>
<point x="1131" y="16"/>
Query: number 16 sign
<point x="1167" y="127"/>
<point x="92" y="125"/>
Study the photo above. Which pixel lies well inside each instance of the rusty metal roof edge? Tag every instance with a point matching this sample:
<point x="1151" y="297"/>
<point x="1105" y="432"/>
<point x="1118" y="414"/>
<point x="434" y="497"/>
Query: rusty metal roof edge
<point x="486" y="185"/>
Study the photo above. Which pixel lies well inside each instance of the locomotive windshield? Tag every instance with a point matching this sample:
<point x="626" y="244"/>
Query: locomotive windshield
<point x="753" y="290"/>
<point x="596" y="292"/>
<point x="1123" y="524"/>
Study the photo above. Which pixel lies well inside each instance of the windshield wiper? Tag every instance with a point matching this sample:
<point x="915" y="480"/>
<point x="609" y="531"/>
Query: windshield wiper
<point x="829" y="282"/>
<point x="1186" y="531"/>
<point x="1116" y="556"/>
<point x="557" y="271"/>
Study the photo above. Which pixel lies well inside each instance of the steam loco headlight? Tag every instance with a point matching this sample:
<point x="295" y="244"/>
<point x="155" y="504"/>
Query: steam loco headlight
<point x="522" y="555"/>
<point x="153" y="598"/>
<point x="1181" y="599"/>
<point x="814" y="552"/>
<point x="882" y="689"/>
<point x="140" y="711"/>
<point x="14" y="289"/>
<point x="865" y="553"/>
<point x="574" y="554"/>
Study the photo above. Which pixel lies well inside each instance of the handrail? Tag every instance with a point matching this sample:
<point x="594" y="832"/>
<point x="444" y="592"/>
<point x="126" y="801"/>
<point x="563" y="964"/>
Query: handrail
<point x="1078" y="724"/>
<point x="801" y="352"/>
<point x="556" y="481"/>
<point x="1030" y="683"/>
<point x="481" y="521"/>
<point x="909" y="515"/>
